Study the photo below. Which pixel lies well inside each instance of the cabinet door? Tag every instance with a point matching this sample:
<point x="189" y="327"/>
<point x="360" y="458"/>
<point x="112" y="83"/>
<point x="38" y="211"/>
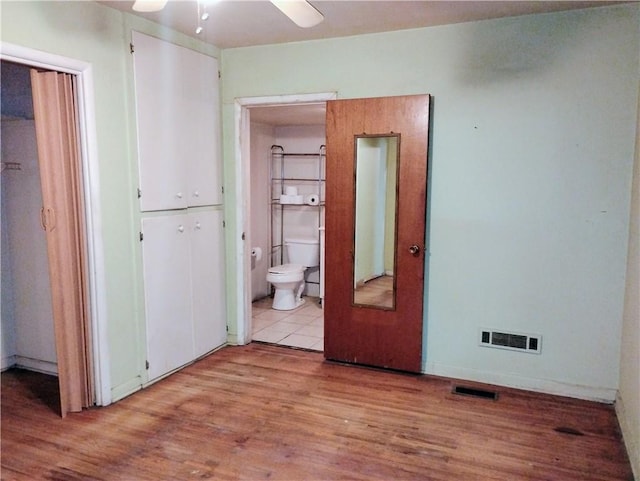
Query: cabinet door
<point x="158" y="93"/>
<point x="201" y="137"/>
<point x="167" y="289"/>
<point x="177" y="107"/>
<point x="208" y="274"/>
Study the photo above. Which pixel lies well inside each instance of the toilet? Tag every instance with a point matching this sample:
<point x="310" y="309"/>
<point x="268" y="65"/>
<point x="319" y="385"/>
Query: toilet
<point x="288" y="279"/>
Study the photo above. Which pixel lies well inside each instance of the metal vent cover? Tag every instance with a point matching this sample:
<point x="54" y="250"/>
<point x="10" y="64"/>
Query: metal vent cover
<point x="514" y="341"/>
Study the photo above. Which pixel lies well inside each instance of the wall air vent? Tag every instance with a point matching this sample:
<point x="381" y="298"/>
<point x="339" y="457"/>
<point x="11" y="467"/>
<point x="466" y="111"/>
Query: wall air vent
<point x="514" y="341"/>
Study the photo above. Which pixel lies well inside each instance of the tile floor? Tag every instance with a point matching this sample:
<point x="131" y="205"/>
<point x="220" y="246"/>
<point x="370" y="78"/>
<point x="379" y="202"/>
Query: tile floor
<point x="302" y="327"/>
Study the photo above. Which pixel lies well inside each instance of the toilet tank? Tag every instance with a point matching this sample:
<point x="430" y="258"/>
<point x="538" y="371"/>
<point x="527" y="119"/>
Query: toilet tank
<point x="303" y="251"/>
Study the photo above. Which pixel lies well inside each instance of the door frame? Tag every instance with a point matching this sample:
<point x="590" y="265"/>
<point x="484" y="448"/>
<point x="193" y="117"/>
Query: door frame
<point x="243" y="198"/>
<point x="92" y="212"/>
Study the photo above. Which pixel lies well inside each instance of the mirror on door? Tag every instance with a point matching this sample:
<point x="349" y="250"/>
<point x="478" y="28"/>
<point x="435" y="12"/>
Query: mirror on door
<point x="376" y="181"/>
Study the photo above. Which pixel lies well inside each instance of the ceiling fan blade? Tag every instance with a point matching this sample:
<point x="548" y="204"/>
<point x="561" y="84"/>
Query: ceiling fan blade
<point x="301" y="12"/>
<point x="149" y="5"/>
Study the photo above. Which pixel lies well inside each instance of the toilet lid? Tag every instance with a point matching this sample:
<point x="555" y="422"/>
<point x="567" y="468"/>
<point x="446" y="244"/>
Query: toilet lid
<point x="286" y="269"/>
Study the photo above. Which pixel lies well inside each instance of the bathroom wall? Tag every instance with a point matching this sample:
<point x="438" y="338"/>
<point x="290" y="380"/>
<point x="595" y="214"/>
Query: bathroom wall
<point x="299" y="221"/>
<point x="262" y="138"/>
<point x="27" y="317"/>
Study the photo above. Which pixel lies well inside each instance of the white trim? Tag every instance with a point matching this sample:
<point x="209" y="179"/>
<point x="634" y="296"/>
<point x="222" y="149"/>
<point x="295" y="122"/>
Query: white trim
<point x="91" y="184"/>
<point x="631" y="442"/>
<point x="7" y="362"/>
<point x="242" y="169"/>
<point x="598" y="394"/>
<point x="37" y="365"/>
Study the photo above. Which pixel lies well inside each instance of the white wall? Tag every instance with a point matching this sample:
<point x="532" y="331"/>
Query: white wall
<point x="262" y="138"/>
<point x="27" y="316"/>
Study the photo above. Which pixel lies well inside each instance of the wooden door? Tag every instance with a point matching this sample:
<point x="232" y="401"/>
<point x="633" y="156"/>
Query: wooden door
<point x="63" y="222"/>
<point x="389" y="337"/>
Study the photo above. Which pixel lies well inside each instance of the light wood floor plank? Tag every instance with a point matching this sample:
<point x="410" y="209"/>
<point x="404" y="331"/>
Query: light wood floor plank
<point x="267" y="412"/>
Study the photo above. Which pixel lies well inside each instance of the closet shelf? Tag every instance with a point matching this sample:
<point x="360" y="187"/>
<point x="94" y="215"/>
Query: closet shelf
<point x="276" y="202"/>
<point x="302" y="154"/>
<point x="293" y="179"/>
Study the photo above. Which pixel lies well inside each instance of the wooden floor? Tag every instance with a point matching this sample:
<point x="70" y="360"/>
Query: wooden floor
<point x="375" y="292"/>
<point x="268" y="412"/>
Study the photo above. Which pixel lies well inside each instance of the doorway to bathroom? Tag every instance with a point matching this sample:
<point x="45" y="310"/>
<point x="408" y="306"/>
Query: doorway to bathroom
<point x="296" y="126"/>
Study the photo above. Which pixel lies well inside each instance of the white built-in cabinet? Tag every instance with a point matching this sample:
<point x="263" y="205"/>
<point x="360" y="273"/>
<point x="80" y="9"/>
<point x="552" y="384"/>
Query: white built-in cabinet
<point x="184" y="288"/>
<point x="180" y="191"/>
<point x="178" y="117"/>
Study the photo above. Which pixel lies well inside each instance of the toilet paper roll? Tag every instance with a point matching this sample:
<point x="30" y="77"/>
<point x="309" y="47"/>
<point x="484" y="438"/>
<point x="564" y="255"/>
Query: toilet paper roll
<point x="257" y="253"/>
<point x="291" y="190"/>
<point x="312" y="199"/>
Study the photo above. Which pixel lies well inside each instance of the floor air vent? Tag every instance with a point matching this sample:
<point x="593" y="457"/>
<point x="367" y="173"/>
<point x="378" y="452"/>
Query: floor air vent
<point x="511" y="340"/>
<point x="474" y="392"/>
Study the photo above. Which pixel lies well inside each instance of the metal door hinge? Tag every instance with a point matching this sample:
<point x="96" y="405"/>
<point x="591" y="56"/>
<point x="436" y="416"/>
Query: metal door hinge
<point x="146" y="365"/>
<point x="131" y="48"/>
<point x="223" y="189"/>
<point x="219" y="74"/>
<point x="139" y="192"/>
<point x="141" y="236"/>
<point x="224" y="224"/>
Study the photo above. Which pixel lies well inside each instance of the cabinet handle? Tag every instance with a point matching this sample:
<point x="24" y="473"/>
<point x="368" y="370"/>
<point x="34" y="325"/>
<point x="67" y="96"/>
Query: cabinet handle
<point x="198" y="225"/>
<point x="179" y="195"/>
<point x="196" y="194"/>
<point x="180" y="228"/>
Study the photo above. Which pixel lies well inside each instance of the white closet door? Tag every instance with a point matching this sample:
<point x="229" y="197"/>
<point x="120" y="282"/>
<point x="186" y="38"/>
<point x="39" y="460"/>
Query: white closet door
<point x="208" y="273"/>
<point x="202" y="137"/>
<point x="177" y="107"/>
<point x="167" y="288"/>
<point x="158" y="92"/>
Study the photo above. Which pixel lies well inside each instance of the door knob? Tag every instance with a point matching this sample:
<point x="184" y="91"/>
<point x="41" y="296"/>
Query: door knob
<point x="414" y="250"/>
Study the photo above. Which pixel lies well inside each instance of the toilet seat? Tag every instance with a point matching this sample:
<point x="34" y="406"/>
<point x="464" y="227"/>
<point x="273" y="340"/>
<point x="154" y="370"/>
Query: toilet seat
<point x="286" y="273"/>
<point x="286" y="268"/>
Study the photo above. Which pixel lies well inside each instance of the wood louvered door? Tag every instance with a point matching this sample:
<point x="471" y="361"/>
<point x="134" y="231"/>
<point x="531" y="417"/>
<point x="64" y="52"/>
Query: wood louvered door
<point x="63" y="221"/>
<point x="385" y="336"/>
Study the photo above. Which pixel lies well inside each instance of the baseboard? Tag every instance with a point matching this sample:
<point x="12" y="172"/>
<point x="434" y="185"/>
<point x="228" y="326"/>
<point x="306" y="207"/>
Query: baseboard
<point x="7" y="362"/>
<point x="126" y="389"/>
<point x="603" y="395"/>
<point x="38" y="365"/>
<point x="631" y="442"/>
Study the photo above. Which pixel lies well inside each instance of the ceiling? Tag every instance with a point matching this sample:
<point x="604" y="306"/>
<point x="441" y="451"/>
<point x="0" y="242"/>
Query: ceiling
<point x="242" y="23"/>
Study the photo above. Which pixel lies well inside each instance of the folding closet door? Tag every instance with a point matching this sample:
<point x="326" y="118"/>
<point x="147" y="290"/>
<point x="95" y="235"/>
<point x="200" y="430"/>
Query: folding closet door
<point x="63" y="221"/>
